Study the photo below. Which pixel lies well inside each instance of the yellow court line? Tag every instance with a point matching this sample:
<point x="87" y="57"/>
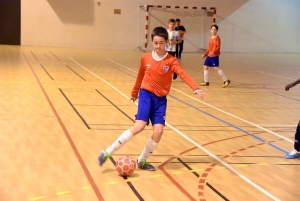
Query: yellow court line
<point x="37" y="198"/>
<point x="262" y="164"/>
<point x="219" y="167"/>
<point x="109" y="183"/>
<point x="198" y="170"/>
<point x="284" y="163"/>
<point x="177" y="172"/>
<point x="157" y="175"/>
<point x="63" y="192"/>
<point x="86" y="187"/>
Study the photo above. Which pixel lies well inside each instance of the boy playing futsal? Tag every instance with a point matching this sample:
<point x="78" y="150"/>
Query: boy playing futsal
<point x="212" y="57"/>
<point x="153" y="84"/>
<point x="296" y="152"/>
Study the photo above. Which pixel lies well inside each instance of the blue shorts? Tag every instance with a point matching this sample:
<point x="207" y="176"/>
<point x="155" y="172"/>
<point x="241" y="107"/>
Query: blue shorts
<point x="151" y="107"/>
<point x="212" y="61"/>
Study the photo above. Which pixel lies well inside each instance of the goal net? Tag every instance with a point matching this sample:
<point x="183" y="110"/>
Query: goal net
<point x="196" y="20"/>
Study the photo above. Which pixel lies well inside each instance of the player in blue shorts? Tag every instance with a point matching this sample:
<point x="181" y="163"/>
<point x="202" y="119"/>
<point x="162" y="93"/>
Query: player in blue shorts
<point x="212" y="57"/>
<point x="153" y="84"/>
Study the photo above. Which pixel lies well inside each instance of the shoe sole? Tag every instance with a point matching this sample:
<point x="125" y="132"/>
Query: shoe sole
<point x="147" y="169"/>
<point x="226" y="85"/>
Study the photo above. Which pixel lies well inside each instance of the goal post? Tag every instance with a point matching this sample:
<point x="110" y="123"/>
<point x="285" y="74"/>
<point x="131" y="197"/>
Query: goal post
<point x="196" y="20"/>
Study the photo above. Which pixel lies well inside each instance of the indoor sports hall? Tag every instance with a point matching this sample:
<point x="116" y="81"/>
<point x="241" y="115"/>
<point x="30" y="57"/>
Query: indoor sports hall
<point x="67" y="69"/>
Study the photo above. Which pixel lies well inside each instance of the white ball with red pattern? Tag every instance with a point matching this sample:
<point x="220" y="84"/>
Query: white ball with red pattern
<point x="125" y="165"/>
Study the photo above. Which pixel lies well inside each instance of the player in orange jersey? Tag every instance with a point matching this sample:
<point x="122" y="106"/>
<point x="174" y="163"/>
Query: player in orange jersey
<point x="296" y="152"/>
<point x="212" y="57"/>
<point x="152" y="85"/>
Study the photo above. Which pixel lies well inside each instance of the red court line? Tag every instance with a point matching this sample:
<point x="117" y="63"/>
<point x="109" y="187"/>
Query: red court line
<point x="161" y="166"/>
<point x="85" y="169"/>
<point x="205" y="175"/>
<point x="173" y="180"/>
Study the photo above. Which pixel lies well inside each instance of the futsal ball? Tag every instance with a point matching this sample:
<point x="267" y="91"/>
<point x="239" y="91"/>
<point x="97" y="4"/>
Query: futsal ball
<point x="125" y="165"/>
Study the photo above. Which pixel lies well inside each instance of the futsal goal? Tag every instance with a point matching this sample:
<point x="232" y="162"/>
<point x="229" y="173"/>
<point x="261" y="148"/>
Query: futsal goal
<point x="196" y="20"/>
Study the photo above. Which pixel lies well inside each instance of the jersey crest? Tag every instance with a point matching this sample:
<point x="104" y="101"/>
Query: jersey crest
<point x="165" y="68"/>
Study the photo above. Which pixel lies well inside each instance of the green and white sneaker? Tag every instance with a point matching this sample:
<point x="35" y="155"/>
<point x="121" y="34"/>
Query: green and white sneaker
<point x="103" y="156"/>
<point x="145" y="165"/>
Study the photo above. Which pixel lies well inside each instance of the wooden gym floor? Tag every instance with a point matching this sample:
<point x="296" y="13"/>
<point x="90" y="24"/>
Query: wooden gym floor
<point x="60" y="107"/>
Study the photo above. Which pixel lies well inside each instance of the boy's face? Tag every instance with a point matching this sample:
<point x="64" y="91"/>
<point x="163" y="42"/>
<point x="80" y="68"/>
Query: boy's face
<point x="159" y="44"/>
<point x="177" y="23"/>
<point x="213" y="31"/>
<point x="171" y="26"/>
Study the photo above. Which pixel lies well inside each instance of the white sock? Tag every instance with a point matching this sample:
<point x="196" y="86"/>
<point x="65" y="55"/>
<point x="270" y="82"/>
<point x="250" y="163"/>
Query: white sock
<point x="205" y="75"/>
<point x="222" y="75"/>
<point x="149" y="148"/>
<point x="124" y="137"/>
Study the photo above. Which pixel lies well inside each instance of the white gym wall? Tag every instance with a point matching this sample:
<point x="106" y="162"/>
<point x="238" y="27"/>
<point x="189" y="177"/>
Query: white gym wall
<point x="245" y="25"/>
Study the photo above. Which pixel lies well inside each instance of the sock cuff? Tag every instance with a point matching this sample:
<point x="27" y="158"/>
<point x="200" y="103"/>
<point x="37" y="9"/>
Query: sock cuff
<point x="151" y="143"/>
<point x="127" y="134"/>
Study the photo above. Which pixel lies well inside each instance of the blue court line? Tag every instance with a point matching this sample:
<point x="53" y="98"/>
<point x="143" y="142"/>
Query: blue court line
<point x="223" y="121"/>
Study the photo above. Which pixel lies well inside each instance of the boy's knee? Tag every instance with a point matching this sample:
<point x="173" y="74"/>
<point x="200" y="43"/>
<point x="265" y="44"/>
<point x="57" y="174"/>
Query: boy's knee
<point x="138" y="127"/>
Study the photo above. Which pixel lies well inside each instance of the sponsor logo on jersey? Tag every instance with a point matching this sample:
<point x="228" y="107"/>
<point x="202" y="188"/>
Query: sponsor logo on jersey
<point x="148" y="65"/>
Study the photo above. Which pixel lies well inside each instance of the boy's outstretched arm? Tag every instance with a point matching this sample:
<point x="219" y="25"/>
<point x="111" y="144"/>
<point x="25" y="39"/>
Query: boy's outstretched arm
<point x="287" y="87"/>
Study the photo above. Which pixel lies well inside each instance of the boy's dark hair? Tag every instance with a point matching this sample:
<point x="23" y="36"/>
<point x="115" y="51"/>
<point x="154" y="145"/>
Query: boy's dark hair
<point x="171" y="20"/>
<point x="177" y="20"/>
<point x="160" y="31"/>
<point x="214" y="25"/>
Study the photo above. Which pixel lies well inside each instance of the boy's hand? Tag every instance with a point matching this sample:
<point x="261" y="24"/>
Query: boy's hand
<point x="203" y="56"/>
<point x="133" y="99"/>
<point x="287" y="87"/>
<point x="201" y="94"/>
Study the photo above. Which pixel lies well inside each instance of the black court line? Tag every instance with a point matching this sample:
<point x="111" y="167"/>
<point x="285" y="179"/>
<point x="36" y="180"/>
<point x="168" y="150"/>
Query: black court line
<point x="287" y="97"/>
<point x="259" y="156"/>
<point x="82" y="119"/>
<point x="139" y="154"/>
<point x="129" y="183"/>
<point x="197" y="175"/>
<point x="75" y="72"/>
<point x="47" y="72"/>
<point x="205" y="162"/>
<point x="92" y="105"/>
<point x="200" y="155"/>
<point x="115" y="106"/>
<point x="287" y="164"/>
<point x="47" y="56"/>
<point x="216" y="191"/>
<point x="55" y="56"/>
<point x="116" y="129"/>
<point x="34" y="56"/>
<point x="95" y="105"/>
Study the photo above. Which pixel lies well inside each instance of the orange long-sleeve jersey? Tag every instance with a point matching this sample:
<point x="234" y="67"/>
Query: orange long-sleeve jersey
<point x="214" y="46"/>
<point x="155" y="75"/>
